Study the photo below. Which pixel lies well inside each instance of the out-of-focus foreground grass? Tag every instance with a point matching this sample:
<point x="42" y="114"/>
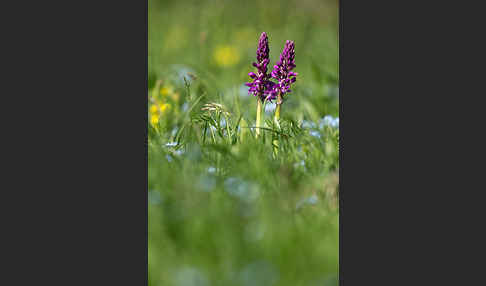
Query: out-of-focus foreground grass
<point x="223" y="210"/>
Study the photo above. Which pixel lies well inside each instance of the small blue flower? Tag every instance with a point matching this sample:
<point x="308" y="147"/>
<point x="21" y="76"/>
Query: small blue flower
<point x="223" y="122"/>
<point x="312" y="200"/>
<point x="241" y="189"/>
<point x="315" y="133"/>
<point x="308" y="124"/>
<point x="301" y="164"/>
<point x="330" y="121"/>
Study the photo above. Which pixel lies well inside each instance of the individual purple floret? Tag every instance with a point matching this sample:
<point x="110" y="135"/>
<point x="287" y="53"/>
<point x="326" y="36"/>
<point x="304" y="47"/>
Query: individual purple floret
<point x="261" y="86"/>
<point x="282" y="70"/>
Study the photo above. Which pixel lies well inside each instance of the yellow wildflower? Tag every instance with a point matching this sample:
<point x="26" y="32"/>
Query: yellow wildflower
<point x="157" y="110"/>
<point x="154" y="119"/>
<point x="165" y="107"/>
<point x="154" y="109"/>
<point x="226" y="56"/>
<point x="167" y="90"/>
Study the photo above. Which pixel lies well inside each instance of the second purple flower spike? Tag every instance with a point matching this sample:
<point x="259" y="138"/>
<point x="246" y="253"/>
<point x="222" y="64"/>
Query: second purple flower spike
<point x="282" y="71"/>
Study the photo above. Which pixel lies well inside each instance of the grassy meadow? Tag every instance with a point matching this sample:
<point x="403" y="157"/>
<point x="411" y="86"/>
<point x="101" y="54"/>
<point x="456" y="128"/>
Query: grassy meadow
<point x="224" y="207"/>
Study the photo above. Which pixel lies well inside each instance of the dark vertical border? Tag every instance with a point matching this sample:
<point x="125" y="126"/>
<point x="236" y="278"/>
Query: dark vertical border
<point x="86" y="77"/>
<point x="380" y="233"/>
<point x="146" y="142"/>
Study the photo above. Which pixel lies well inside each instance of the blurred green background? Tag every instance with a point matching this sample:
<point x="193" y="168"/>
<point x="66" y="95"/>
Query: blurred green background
<point x="231" y="213"/>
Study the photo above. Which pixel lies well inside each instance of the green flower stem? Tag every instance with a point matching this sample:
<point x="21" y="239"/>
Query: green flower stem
<point x="258" y="116"/>
<point x="276" y="120"/>
<point x="277" y="113"/>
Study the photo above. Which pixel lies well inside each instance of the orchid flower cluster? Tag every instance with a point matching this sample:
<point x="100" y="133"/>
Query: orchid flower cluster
<point x="262" y="86"/>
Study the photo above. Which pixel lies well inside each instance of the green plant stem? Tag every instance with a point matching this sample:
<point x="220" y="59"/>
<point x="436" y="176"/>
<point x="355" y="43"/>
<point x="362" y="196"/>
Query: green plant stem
<point x="258" y="117"/>
<point x="276" y="120"/>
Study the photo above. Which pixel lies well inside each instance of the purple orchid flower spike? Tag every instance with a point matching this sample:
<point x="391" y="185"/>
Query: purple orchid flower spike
<point x="284" y="75"/>
<point x="261" y="86"/>
<point x="282" y="71"/>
